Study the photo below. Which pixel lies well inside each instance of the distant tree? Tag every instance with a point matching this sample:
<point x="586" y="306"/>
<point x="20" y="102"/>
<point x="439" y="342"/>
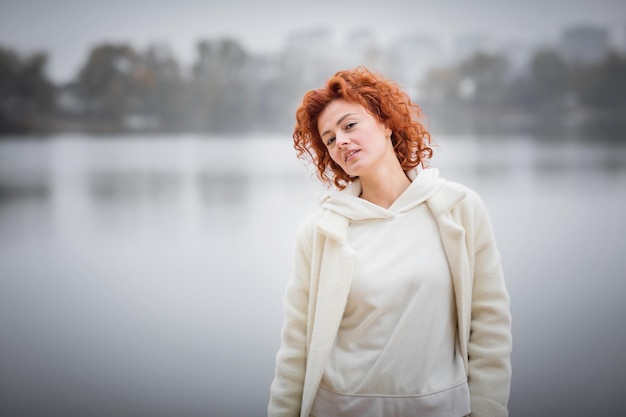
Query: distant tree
<point x="219" y="90"/>
<point x="603" y="85"/>
<point x="441" y="87"/>
<point x="27" y="96"/>
<point x="111" y="82"/>
<point x="480" y="80"/>
<point x="483" y="79"/>
<point x="118" y="84"/>
<point x="161" y="87"/>
<point x="550" y="78"/>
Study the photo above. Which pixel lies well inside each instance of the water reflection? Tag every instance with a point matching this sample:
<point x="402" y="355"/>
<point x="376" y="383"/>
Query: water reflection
<point x="228" y="188"/>
<point x="131" y="187"/>
<point x="144" y="277"/>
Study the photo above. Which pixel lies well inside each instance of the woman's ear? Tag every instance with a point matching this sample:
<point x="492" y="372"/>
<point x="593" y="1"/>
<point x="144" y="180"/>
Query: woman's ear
<point x="388" y="132"/>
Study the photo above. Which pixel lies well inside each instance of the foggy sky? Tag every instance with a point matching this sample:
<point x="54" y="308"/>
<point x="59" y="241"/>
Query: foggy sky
<point x="67" y="29"/>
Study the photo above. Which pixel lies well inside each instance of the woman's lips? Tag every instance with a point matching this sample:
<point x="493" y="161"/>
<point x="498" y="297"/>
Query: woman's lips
<point x="350" y="154"/>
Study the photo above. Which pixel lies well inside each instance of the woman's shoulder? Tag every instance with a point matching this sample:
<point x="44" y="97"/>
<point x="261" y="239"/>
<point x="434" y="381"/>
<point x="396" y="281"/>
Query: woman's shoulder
<point x="454" y="195"/>
<point x="468" y="194"/>
<point x="469" y="205"/>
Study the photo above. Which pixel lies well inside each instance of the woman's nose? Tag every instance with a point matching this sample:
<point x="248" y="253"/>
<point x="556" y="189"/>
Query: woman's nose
<point x="342" y="139"/>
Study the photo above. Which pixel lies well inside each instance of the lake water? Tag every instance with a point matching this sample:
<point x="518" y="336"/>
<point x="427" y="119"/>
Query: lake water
<point x="143" y="276"/>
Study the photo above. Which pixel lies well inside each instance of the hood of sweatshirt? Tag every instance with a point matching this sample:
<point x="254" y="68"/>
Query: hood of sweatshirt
<point x="424" y="183"/>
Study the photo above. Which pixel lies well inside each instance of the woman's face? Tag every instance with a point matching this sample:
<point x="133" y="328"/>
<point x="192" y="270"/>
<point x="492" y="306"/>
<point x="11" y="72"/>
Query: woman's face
<point x="355" y="139"/>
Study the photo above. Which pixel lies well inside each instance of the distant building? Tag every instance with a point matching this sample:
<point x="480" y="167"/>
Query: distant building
<point x="360" y="47"/>
<point x="410" y="58"/>
<point x="311" y="55"/>
<point x="469" y="45"/>
<point x="620" y="41"/>
<point x="518" y="57"/>
<point x="584" y="44"/>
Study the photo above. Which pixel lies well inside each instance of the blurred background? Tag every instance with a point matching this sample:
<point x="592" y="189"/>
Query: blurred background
<point x="150" y="195"/>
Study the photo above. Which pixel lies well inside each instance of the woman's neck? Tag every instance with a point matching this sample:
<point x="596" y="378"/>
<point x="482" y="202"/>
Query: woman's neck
<point x="384" y="188"/>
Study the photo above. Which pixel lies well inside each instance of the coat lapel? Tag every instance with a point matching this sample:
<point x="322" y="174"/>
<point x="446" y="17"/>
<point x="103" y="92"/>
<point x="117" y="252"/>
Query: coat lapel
<point x="453" y="238"/>
<point x="335" y="278"/>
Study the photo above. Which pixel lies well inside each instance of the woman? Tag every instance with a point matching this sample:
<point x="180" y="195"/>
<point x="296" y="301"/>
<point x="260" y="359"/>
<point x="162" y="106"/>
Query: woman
<point x="397" y="305"/>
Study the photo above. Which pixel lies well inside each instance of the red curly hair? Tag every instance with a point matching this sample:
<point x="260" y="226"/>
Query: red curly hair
<point x="382" y="98"/>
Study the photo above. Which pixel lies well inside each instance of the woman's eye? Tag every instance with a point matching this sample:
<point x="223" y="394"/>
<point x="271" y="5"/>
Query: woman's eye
<point x="330" y="141"/>
<point x="350" y="125"/>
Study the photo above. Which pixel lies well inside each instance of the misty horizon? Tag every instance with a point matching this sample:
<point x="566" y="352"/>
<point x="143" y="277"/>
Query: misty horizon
<point x="69" y="30"/>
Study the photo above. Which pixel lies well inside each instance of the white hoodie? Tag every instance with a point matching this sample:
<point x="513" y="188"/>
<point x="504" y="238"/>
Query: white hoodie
<point x="396" y="352"/>
<point x="318" y="290"/>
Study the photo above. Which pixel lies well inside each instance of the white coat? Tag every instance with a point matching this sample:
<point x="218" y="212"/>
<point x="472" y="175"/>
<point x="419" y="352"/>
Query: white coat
<point x="318" y="290"/>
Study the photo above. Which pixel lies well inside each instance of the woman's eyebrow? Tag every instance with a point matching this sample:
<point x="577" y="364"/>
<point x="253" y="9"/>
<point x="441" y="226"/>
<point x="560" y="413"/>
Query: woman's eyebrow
<point x="341" y="119"/>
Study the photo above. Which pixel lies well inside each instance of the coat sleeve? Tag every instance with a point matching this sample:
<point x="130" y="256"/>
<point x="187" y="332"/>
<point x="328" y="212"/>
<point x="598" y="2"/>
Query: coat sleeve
<point x="287" y="386"/>
<point x="490" y="341"/>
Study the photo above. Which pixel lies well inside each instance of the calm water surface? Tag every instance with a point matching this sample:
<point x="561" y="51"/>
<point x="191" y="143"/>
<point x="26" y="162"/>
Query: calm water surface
<point x="144" y="276"/>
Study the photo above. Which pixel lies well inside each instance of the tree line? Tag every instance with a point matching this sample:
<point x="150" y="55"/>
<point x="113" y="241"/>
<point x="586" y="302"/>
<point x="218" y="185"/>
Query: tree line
<point x="227" y="90"/>
<point x="121" y="89"/>
<point x="549" y="97"/>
